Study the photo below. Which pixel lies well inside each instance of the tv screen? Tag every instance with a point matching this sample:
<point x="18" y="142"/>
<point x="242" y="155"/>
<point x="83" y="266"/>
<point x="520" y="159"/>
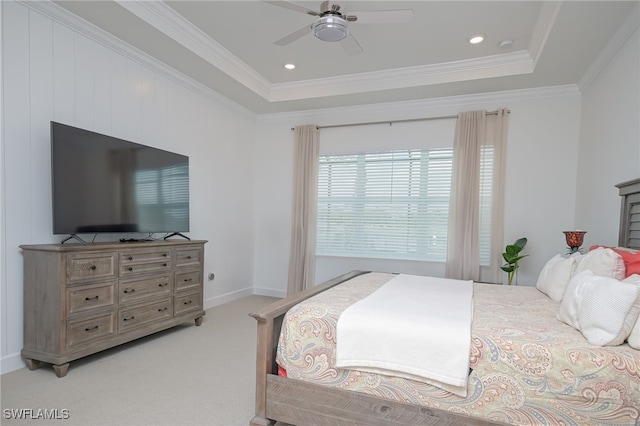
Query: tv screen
<point x="105" y="184"/>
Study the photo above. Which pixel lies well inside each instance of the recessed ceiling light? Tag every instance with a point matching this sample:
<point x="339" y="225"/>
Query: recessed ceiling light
<point x="289" y="66"/>
<point x="476" y="38"/>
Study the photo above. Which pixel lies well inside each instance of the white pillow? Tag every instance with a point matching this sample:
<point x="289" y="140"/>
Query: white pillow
<point x="634" y="336"/>
<point x="555" y="275"/>
<point x="603" y="262"/>
<point x="571" y="299"/>
<point x="602" y="308"/>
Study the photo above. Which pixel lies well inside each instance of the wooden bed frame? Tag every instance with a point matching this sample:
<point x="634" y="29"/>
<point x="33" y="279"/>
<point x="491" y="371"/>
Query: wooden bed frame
<point x="302" y="403"/>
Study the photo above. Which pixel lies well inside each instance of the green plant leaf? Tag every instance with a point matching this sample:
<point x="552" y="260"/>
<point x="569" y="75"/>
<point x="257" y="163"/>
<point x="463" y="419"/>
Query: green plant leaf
<point x="521" y="242"/>
<point x="512" y="250"/>
<point x="518" y="258"/>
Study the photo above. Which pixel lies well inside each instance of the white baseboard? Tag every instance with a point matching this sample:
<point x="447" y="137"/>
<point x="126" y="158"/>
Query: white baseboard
<point x="226" y="298"/>
<point x="235" y="295"/>
<point x="270" y="292"/>
<point x="11" y="362"/>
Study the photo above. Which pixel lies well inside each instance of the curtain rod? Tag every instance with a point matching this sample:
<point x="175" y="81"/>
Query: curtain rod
<point x="390" y="122"/>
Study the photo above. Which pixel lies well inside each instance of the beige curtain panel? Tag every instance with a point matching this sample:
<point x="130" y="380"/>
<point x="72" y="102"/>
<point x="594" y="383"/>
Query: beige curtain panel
<point x="302" y="256"/>
<point x="475" y="129"/>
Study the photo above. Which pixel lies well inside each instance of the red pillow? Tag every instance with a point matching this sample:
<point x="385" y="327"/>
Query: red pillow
<point x="631" y="259"/>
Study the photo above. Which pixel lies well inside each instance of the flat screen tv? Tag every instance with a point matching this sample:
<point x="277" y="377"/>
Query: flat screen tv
<point x="103" y="184"/>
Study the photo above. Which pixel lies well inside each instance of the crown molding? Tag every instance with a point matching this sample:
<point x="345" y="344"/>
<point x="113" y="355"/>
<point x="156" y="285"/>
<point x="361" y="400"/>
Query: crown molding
<point x="414" y="108"/>
<point x="478" y="68"/>
<point x="626" y="30"/>
<point x="75" y="23"/>
<point x="543" y="28"/>
<point x="175" y="26"/>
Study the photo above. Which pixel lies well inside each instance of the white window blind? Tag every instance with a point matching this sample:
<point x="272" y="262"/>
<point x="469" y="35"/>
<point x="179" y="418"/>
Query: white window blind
<point x="486" y="202"/>
<point x="388" y="204"/>
<point x="392" y="204"/>
<point x="162" y="196"/>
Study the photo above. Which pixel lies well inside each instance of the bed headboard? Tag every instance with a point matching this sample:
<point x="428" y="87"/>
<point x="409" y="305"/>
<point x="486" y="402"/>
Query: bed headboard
<point x="630" y="214"/>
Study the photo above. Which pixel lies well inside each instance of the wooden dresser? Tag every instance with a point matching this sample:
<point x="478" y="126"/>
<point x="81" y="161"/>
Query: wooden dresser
<point x="80" y="299"/>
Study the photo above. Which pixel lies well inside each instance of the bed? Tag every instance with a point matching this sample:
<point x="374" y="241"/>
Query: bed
<point x="526" y="366"/>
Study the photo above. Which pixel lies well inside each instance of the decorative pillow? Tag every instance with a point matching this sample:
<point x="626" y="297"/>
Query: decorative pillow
<point x="631" y="259"/>
<point x="571" y="298"/>
<point x="603" y="262"/>
<point x="555" y="275"/>
<point x="634" y="337"/>
<point x="602" y="308"/>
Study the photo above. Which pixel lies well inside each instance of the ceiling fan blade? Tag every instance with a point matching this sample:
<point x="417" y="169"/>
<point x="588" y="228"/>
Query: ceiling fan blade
<point x="294" y="7"/>
<point x="293" y="36"/>
<point x="351" y="45"/>
<point x="383" y="16"/>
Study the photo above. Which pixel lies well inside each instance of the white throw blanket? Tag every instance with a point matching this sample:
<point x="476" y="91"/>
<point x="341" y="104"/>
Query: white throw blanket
<point x="413" y="326"/>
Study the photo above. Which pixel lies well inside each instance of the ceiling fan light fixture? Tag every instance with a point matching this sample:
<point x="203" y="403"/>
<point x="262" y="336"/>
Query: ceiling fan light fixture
<point x="330" y="28"/>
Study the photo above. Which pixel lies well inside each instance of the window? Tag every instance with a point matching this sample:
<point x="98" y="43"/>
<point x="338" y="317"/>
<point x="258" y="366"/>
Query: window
<point x="392" y="205"/>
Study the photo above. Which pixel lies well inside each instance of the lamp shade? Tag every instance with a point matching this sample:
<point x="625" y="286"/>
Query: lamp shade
<point x="330" y="28"/>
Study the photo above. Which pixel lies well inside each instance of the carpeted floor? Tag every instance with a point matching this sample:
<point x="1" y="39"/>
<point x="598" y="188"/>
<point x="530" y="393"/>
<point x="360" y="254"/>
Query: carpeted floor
<point x="187" y="375"/>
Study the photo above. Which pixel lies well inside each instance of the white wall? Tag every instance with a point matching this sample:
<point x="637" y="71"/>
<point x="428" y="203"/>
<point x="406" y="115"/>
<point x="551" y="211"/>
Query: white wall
<point x="609" y="143"/>
<point x="52" y="70"/>
<point x="541" y="175"/>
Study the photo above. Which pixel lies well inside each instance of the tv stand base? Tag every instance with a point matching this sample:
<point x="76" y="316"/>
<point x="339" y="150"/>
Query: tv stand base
<point x="74" y="237"/>
<point x="177" y="234"/>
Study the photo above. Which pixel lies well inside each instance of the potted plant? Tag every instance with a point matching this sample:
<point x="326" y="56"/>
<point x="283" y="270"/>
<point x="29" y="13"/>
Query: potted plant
<point x="512" y="257"/>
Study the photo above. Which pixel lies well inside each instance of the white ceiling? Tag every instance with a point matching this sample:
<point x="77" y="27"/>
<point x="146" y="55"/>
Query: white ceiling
<point x="228" y="46"/>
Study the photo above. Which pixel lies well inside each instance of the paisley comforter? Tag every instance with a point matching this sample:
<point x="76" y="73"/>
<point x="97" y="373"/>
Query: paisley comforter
<point x="527" y="368"/>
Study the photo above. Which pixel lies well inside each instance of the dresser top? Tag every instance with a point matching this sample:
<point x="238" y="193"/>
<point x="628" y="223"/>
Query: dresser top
<point x="79" y="247"/>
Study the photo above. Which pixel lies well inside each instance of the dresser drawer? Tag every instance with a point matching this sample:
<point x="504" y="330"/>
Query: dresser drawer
<point x="187" y="279"/>
<point x="143" y="314"/>
<point x="90" y="329"/>
<point x="83" y="267"/>
<point x="90" y="297"/>
<point x="136" y="289"/>
<point x="133" y="257"/>
<point x="187" y="303"/>
<point x="187" y="257"/>
<point x="147" y="267"/>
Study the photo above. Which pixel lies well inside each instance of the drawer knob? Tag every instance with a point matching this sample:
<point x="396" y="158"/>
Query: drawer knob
<point x="130" y="268"/>
<point x="95" y="327"/>
<point x="186" y="280"/>
<point x="164" y="264"/>
<point x="130" y="290"/>
<point x="162" y="284"/>
<point x="188" y="302"/>
<point x="130" y="258"/>
<point x="188" y="257"/>
<point x="164" y="254"/>
<point x="93" y="267"/>
<point x="128" y="319"/>
<point x="91" y="298"/>
<point x="162" y="309"/>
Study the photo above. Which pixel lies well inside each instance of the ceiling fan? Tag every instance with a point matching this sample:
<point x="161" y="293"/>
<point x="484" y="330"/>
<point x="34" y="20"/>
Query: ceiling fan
<point x="332" y="25"/>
